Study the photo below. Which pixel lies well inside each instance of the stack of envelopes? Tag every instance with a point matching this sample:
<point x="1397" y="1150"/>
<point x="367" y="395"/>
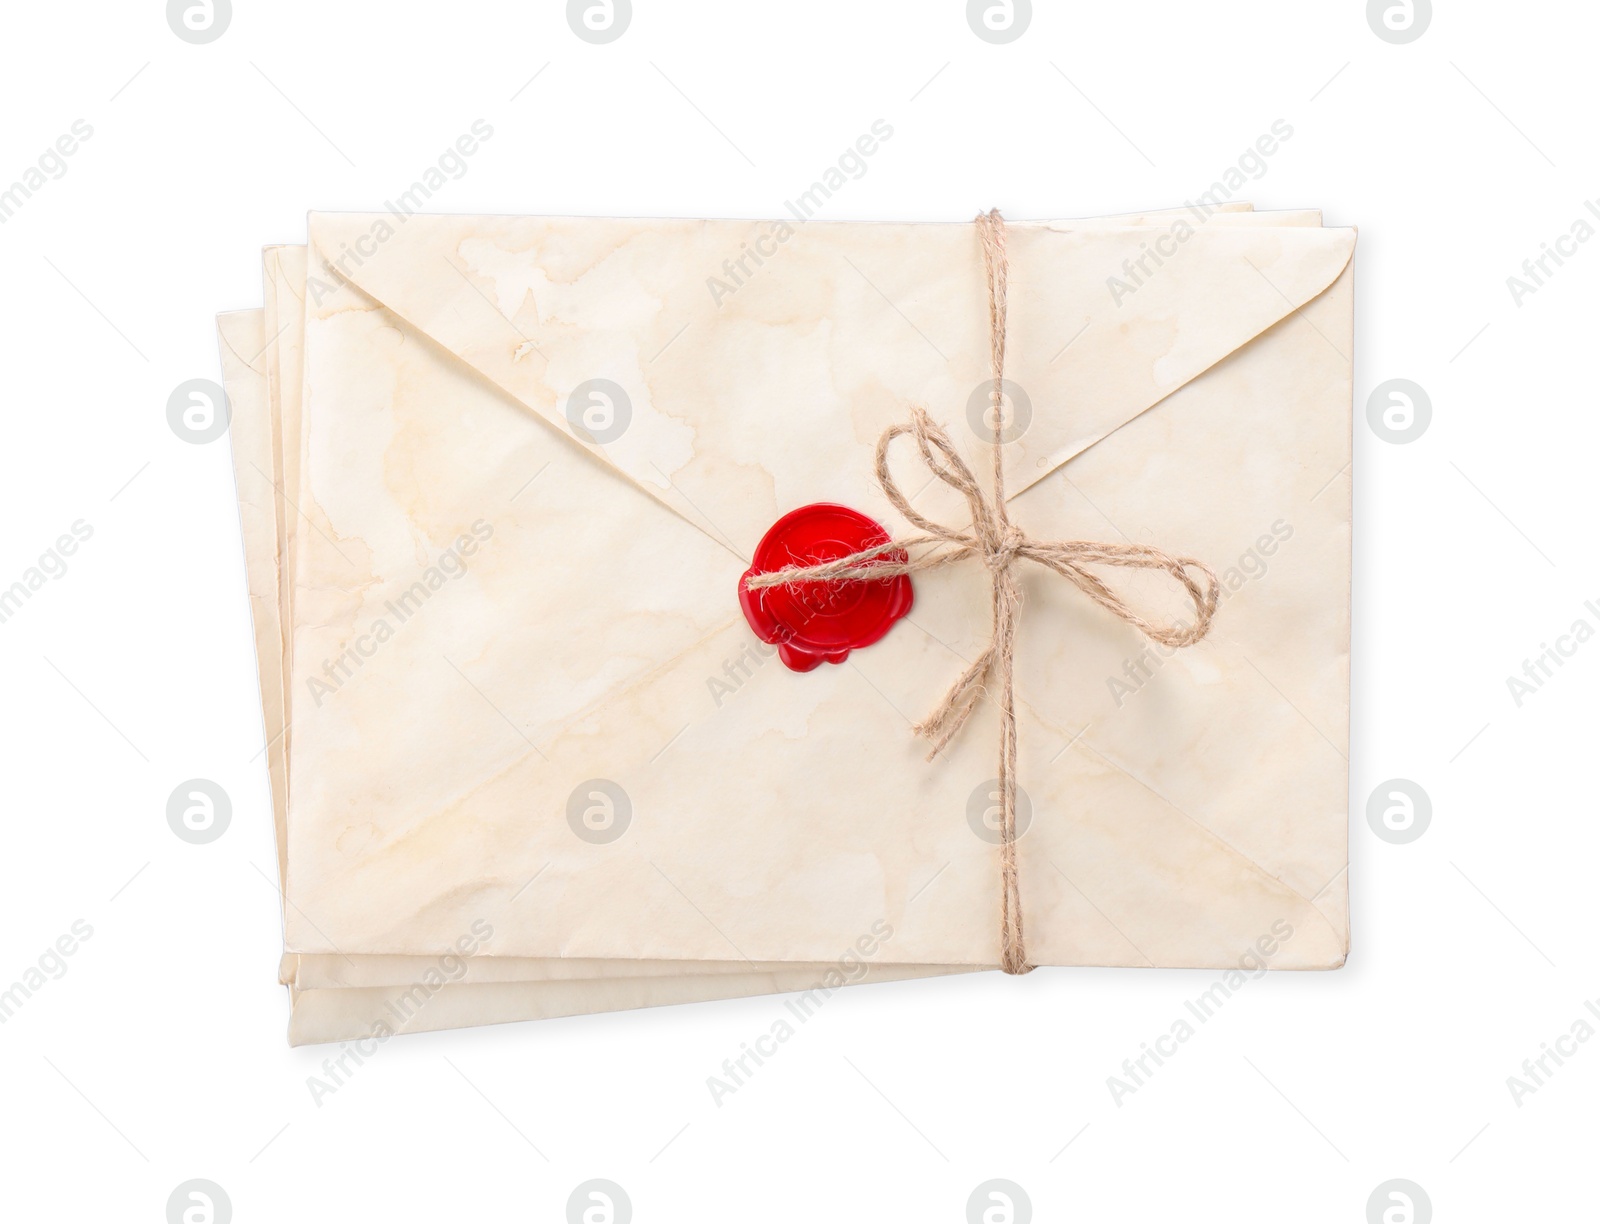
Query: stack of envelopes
<point x="499" y="478"/>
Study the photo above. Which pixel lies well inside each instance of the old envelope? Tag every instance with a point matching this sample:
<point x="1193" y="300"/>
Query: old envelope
<point x="785" y="830"/>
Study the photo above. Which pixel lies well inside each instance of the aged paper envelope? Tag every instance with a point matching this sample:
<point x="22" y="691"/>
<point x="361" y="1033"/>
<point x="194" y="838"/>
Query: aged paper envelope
<point x="325" y="977"/>
<point x="582" y="633"/>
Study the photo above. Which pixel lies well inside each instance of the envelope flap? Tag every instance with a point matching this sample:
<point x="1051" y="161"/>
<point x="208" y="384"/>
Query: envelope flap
<point x="736" y="369"/>
<point x="1107" y="324"/>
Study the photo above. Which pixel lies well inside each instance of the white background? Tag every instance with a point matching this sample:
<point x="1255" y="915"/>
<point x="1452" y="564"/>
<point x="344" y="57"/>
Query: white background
<point x="160" y="1056"/>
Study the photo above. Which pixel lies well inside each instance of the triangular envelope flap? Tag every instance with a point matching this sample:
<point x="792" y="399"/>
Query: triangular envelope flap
<point x="732" y="369"/>
<point x="737" y="369"/>
<point x="1106" y="324"/>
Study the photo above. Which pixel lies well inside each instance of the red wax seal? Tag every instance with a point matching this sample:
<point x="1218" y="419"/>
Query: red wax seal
<point x="816" y="622"/>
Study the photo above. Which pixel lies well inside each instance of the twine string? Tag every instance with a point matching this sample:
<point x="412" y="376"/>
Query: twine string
<point x="1000" y="545"/>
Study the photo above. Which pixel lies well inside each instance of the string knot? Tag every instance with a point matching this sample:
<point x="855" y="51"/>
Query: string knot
<point x="1003" y="552"/>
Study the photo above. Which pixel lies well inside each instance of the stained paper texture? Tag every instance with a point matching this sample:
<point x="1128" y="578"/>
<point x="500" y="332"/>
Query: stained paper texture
<point x="499" y="477"/>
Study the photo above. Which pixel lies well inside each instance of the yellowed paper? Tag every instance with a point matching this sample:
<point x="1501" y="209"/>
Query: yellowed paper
<point x="1213" y="861"/>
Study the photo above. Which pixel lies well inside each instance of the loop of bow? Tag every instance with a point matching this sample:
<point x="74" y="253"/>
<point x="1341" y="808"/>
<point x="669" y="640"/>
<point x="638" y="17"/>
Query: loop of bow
<point x="1000" y="545"/>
